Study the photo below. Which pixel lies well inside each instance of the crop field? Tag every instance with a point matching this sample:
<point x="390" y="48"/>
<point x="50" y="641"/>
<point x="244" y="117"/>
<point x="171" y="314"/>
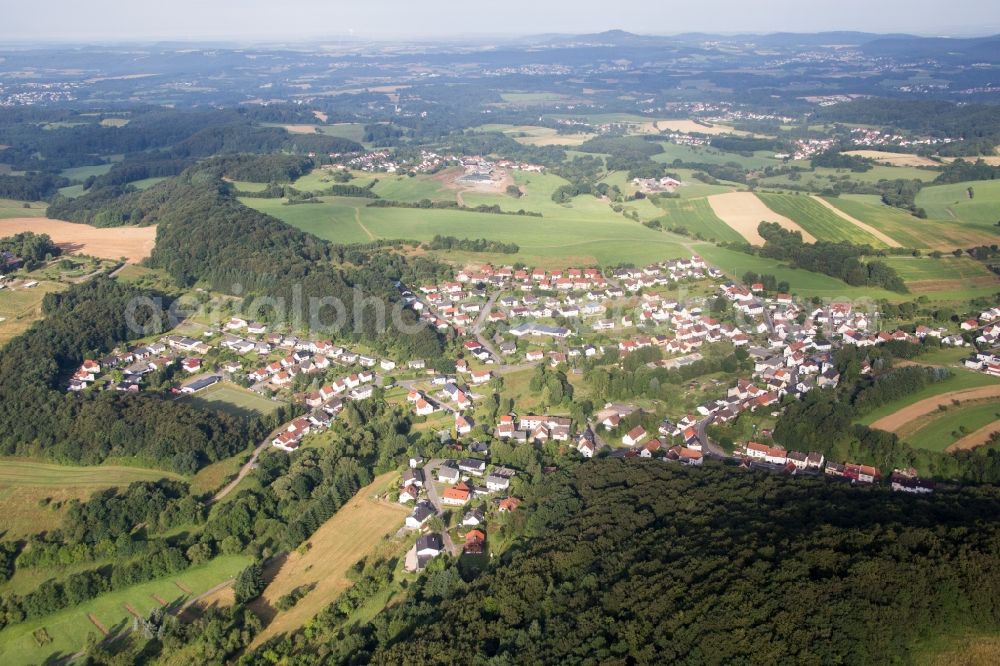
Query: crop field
<point x="532" y="98"/>
<point x="20" y="308"/>
<point x="895" y="159"/>
<point x="953" y="202"/>
<point x="68" y="629"/>
<point x="10" y="208"/>
<point x="699" y="218"/>
<point x="533" y="135"/>
<point x="84" y="172"/>
<point x="133" y="243"/>
<point x="744" y="211"/>
<point x="232" y="399"/>
<point x="25" y="485"/>
<point x="910" y="231"/>
<point x="709" y="155"/>
<point x="962" y="385"/>
<point x="353" y="533"/>
<point x="818" y="220"/>
<point x="927" y="275"/>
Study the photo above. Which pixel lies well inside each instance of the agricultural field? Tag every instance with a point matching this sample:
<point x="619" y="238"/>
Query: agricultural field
<point x="533" y="98"/>
<point x="585" y="231"/>
<point x="354" y="532"/>
<point x="910" y="231"/>
<point x="9" y="208"/>
<point x="33" y="494"/>
<point x="67" y="630"/>
<point x="926" y="275"/>
<point x="211" y="478"/>
<point x="709" y="155"/>
<point x="744" y="211"/>
<point x="962" y="385"/>
<point x="804" y="283"/>
<point x="132" y="243"/>
<point x="697" y="216"/>
<point x="895" y="159"/>
<point x="20" y="308"/>
<point x="533" y="135"/>
<point x="952" y="202"/>
<point x="941" y="429"/>
<point x="85" y="172"/>
<point x="232" y="399"/>
<point x="819" y="221"/>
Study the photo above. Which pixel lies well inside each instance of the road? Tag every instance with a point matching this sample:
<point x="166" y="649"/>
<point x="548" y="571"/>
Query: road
<point x="248" y="465"/>
<point x="708" y="446"/>
<point x="435" y="499"/>
<point x="478" y="327"/>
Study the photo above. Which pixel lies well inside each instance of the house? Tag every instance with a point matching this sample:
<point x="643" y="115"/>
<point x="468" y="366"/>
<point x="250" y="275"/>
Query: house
<point x="508" y="505"/>
<point x="191" y="364"/>
<point x="413" y="477"/>
<point x="473" y="518"/>
<point x="423" y="408"/>
<point x="199" y="384"/>
<point x="472" y="466"/>
<point x="457" y="495"/>
<point x="462" y="425"/>
<point x="586" y="447"/>
<point x="429" y="545"/>
<point x="685" y="455"/>
<point x="408" y="494"/>
<point x="419" y="516"/>
<point x="448" y="474"/>
<point x="475" y="542"/>
<point x="481" y="377"/>
<point x="634" y="436"/>
<point x="906" y="481"/>
<point x="496" y="483"/>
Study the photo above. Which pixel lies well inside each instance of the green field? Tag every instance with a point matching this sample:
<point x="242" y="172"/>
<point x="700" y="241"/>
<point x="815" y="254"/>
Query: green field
<point x="25" y="485"/>
<point x="586" y="231"/>
<point x="709" y="155"/>
<point x="821" y="222"/>
<point x="803" y="283"/>
<point x="68" y="629"/>
<point x="232" y="399"/>
<point x="84" y="172"/>
<point x="949" y="273"/>
<point x="19" y="308"/>
<point x="699" y="218"/>
<point x="10" y="208"/>
<point x="943" y="431"/>
<point x="953" y="202"/>
<point x="911" y="231"/>
<point x="962" y="379"/>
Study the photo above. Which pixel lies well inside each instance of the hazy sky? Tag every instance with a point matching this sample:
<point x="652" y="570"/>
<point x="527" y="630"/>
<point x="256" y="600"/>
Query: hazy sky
<point x="277" y="20"/>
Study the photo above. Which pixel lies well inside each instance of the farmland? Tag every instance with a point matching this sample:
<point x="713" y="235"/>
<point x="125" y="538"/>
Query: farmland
<point x="350" y="535"/>
<point x="233" y="399"/>
<point x="941" y="429"/>
<point x="133" y="243"/>
<point x="699" y="218"/>
<point x="819" y="221"/>
<point x="953" y="202"/>
<point x="31" y="491"/>
<point x="928" y="275"/>
<point x="20" y="307"/>
<point x="962" y="385"/>
<point x="68" y="629"/>
<point x="744" y="211"/>
<point x="10" y="209"/>
<point x="910" y="231"/>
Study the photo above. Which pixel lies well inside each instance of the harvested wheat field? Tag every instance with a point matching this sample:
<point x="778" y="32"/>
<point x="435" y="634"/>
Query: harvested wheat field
<point x="856" y="222"/>
<point x="975" y="439"/>
<point x="744" y="212"/>
<point x="894" y="159"/>
<point x="688" y="126"/>
<point x="897" y="420"/>
<point x="354" y="532"/>
<point x="300" y="129"/>
<point x="133" y="243"/>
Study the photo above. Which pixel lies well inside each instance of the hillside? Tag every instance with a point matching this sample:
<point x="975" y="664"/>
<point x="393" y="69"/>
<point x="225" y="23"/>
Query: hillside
<point x="733" y="566"/>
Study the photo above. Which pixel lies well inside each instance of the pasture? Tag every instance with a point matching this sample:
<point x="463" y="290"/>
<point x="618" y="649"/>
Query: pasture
<point x="894" y="159"/>
<point x="232" y="399"/>
<point x="953" y="202"/>
<point x="819" y="221"/>
<point x="709" y="155"/>
<point x="354" y="532"/>
<point x="10" y="208"/>
<point x="534" y="135"/>
<point x="68" y="629"/>
<point x="926" y="275"/>
<point x="31" y="491"/>
<point x="20" y="308"/>
<point x="84" y="172"/>
<point x="910" y="231"/>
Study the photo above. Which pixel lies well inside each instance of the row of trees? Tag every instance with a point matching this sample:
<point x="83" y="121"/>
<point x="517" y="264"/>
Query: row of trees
<point x="440" y="242"/>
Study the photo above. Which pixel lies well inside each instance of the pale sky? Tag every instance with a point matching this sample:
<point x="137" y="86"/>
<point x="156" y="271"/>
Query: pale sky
<point x="282" y="20"/>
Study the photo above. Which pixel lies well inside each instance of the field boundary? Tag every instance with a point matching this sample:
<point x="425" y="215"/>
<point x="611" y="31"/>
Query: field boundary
<point x="744" y="211"/>
<point x="885" y="238"/>
<point x="900" y="418"/>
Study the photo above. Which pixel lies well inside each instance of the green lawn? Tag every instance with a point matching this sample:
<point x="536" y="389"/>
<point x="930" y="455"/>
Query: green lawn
<point x="943" y="430"/>
<point x="232" y="399"/>
<point x="821" y="222"/>
<point x="962" y="379"/>
<point x="953" y="202"/>
<point x="699" y="218"/>
<point x="68" y="629"/>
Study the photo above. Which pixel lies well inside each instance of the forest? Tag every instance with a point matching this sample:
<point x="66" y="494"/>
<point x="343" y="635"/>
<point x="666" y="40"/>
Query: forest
<point x="736" y="567"/>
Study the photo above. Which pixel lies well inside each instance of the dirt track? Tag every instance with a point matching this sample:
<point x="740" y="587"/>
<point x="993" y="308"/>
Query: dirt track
<point x="975" y="439"/>
<point x="133" y="243"/>
<point x="898" y="419"/>
<point x="744" y="212"/>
